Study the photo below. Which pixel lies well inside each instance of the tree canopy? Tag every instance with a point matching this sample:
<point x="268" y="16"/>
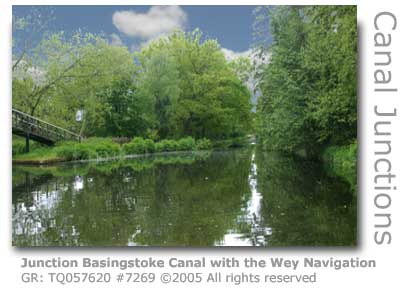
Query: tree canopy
<point x="196" y="91"/>
<point x="180" y="85"/>
<point x="308" y="88"/>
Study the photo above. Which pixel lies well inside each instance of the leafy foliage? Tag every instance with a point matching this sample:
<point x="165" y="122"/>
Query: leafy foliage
<point x="139" y="146"/>
<point x="90" y="149"/>
<point x="308" y="88"/>
<point x="203" y="144"/>
<point x="177" y="86"/>
<point x="207" y="99"/>
<point x="126" y="112"/>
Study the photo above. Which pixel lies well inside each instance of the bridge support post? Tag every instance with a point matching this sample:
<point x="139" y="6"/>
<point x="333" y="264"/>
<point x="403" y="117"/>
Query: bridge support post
<point x="27" y="142"/>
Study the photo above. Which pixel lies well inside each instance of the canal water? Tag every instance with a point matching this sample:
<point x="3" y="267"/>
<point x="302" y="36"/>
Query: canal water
<point x="239" y="197"/>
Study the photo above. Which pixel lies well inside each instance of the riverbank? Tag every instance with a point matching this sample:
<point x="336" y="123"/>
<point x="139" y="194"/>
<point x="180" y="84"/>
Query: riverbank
<point x="105" y="148"/>
<point x="135" y="163"/>
<point x="342" y="161"/>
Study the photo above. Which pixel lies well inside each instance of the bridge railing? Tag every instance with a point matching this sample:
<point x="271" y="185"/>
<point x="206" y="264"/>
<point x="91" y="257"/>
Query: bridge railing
<point x="35" y="126"/>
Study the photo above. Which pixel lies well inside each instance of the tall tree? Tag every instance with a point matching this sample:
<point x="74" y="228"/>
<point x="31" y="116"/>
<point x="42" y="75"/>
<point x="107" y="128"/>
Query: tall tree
<point x="213" y="102"/>
<point x="283" y="121"/>
<point x="158" y="78"/>
<point x="127" y="112"/>
<point x="308" y="88"/>
<point x="331" y="60"/>
<point x="64" y="74"/>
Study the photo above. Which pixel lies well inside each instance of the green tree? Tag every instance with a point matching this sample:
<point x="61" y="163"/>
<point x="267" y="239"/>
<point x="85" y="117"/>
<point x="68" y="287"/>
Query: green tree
<point x="284" y="123"/>
<point x="63" y="74"/>
<point x="308" y="88"/>
<point x="158" y="79"/>
<point x="180" y="85"/>
<point x="212" y="102"/>
<point x="331" y="60"/>
<point x="99" y="64"/>
<point x="127" y="112"/>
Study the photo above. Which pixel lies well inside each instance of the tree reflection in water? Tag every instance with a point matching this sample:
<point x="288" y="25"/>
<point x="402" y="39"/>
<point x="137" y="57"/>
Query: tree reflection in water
<point x="234" y="197"/>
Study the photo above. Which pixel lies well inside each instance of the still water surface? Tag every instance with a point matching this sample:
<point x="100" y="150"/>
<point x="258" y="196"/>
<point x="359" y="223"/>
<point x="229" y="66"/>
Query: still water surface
<point x="230" y="198"/>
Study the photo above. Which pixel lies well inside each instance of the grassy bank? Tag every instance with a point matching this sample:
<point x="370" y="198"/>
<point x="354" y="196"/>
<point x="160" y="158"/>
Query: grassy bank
<point x="101" y="148"/>
<point x="137" y="164"/>
<point x="342" y="161"/>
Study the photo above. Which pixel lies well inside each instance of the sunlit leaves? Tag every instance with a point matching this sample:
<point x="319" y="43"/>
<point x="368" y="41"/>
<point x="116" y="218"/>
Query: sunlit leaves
<point x="308" y="89"/>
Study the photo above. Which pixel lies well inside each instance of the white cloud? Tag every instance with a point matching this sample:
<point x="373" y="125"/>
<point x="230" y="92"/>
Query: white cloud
<point x="158" y="21"/>
<point x="116" y="40"/>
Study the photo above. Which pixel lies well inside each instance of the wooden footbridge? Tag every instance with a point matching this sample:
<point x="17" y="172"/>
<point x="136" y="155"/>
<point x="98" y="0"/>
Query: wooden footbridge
<point x="38" y="130"/>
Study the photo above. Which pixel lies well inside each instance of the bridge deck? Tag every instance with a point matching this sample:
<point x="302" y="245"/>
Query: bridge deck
<point x="36" y="129"/>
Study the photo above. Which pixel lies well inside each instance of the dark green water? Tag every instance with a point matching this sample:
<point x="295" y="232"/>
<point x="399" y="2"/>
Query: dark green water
<point x="231" y="198"/>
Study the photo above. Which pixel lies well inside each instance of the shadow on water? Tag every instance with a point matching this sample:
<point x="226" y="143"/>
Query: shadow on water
<point x="235" y="197"/>
<point x="303" y="205"/>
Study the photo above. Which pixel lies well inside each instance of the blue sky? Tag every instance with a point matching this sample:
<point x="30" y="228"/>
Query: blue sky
<point x="136" y="25"/>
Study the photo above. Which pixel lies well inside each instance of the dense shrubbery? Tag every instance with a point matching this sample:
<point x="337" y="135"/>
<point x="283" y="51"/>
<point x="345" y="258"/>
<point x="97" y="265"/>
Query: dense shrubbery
<point x="101" y="147"/>
<point x="142" y="146"/>
<point x="186" y="144"/>
<point x="139" y="146"/>
<point x="90" y="149"/>
<point x="308" y="87"/>
<point x="96" y="148"/>
<point x="166" y="145"/>
<point x="71" y="151"/>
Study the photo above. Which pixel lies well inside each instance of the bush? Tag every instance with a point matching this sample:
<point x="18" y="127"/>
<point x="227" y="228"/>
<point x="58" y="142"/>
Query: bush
<point x="186" y="144"/>
<point x="149" y="145"/>
<point x="83" y="152"/>
<point x="159" y="147"/>
<point x="94" y="148"/>
<point x="139" y="146"/>
<point x="106" y="148"/>
<point x="73" y="151"/>
<point x="97" y="147"/>
<point x="203" y="144"/>
<point x="136" y="146"/>
<point x="89" y="149"/>
<point x="169" y="145"/>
